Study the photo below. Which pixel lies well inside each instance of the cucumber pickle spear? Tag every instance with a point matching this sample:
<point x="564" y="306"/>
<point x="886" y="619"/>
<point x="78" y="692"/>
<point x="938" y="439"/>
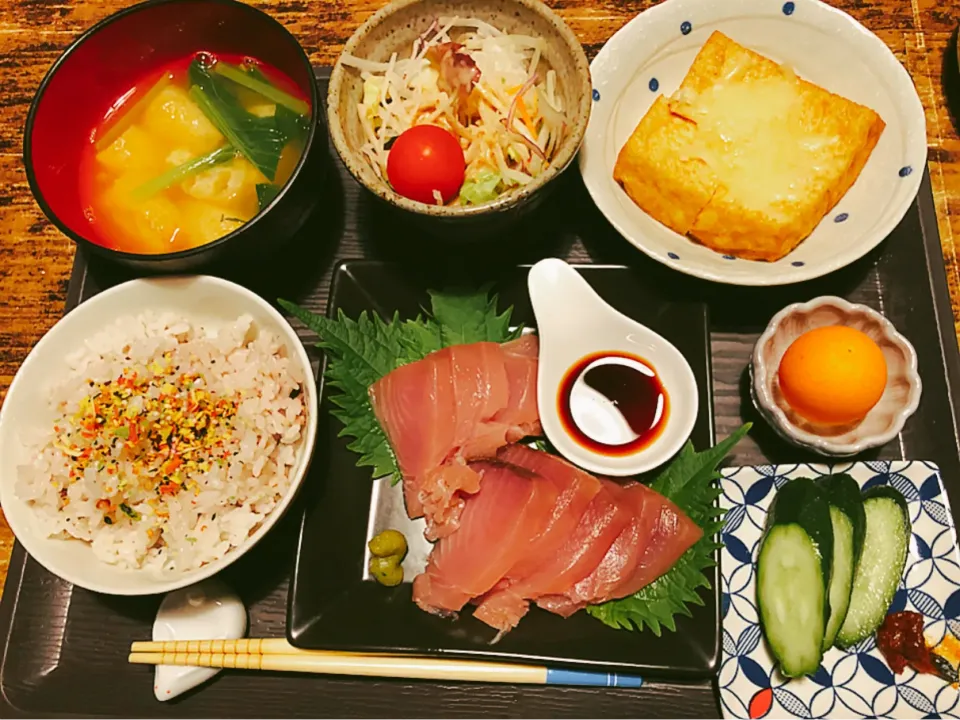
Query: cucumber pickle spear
<point x="881" y="564"/>
<point x="793" y="576"/>
<point x="849" y="525"/>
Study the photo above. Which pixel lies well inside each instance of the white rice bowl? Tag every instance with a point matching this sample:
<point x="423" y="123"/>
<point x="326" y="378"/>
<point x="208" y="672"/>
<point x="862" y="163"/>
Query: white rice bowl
<point x="129" y="537"/>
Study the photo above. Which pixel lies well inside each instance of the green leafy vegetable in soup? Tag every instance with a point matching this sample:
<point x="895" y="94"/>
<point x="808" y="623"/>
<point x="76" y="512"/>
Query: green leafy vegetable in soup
<point x="192" y="154"/>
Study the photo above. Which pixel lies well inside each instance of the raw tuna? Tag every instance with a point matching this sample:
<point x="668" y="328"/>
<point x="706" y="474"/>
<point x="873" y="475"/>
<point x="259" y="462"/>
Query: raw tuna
<point x="506" y="604"/>
<point x="673" y="534"/>
<point x="458" y="404"/>
<point x="510" y="508"/>
<point x="649" y="546"/>
<point x="584" y="523"/>
<point x="597" y="540"/>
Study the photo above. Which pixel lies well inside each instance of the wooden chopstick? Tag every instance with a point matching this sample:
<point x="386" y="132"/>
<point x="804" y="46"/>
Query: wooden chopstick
<point x="257" y="646"/>
<point x="276" y="654"/>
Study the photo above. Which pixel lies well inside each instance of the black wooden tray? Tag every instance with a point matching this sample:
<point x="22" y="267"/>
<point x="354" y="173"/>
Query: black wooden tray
<point x="64" y="649"/>
<point x="331" y="606"/>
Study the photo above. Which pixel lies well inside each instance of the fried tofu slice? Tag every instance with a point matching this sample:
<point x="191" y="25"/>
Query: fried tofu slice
<point x="745" y="157"/>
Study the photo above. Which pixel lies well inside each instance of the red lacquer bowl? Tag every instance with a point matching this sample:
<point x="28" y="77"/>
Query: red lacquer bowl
<point x="106" y="61"/>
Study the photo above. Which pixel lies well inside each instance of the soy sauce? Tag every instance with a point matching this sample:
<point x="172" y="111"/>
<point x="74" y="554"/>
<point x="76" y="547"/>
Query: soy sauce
<point x="613" y="403"/>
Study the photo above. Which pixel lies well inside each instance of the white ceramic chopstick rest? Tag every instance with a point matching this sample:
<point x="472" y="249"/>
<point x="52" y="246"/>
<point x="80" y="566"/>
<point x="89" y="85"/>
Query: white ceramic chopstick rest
<point x="207" y="610"/>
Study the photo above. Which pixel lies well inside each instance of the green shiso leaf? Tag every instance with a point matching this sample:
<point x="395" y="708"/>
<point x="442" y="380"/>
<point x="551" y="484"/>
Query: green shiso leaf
<point x="690" y="481"/>
<point x="469" y="317"/>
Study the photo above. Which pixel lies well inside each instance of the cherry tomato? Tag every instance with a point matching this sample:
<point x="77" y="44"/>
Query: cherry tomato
<point x="423" y="159"/>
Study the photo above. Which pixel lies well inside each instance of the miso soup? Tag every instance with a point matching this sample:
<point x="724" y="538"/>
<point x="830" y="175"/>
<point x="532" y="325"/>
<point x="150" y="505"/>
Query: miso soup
<point x="191" y="153"/>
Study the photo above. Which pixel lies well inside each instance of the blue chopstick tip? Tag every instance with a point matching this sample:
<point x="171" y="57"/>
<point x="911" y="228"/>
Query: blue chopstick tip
<point x="627" y="681"/>
<point x="556" y="676"/>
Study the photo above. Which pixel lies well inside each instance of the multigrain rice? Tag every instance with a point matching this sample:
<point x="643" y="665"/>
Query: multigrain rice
<point x="172" y="440"/>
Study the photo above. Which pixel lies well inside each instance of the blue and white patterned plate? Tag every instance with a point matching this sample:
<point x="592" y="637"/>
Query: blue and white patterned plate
<point x="849" y="684"/>
<point x="651" y="54"/>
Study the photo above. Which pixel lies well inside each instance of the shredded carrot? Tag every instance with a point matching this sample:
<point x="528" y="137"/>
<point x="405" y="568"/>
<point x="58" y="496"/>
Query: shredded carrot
<point x="525" y="116"/>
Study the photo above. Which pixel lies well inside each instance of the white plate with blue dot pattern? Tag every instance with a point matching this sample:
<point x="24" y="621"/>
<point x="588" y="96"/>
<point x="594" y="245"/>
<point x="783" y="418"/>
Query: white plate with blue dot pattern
<point x="855" y="683"/>
<point x="651" y="55"/>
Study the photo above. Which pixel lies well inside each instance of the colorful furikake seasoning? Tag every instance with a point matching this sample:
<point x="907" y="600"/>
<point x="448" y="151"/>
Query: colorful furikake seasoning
<point x="169" y="441"/>
<point x="162" y="421"/>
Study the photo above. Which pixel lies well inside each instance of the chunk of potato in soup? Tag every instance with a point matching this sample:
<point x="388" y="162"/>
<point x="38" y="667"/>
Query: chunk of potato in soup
<point x="174" y="119"/>
<point x="161" y="174"/>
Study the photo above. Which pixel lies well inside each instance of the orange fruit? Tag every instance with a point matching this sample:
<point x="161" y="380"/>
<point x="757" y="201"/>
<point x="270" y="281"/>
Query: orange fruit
<point x="833" y="375"/>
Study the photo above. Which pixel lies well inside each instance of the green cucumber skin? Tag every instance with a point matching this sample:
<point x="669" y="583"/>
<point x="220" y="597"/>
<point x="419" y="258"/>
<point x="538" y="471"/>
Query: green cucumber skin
<point x="843" y="493"/>
<point x="801" y="501"/>
<point x="841" y="575"/>
<point x="848" y="637"/>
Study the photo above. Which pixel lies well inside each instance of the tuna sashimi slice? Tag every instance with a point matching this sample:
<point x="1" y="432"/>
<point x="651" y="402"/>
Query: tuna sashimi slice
<point x="620" y="562"/>
<point x="673" y="534"/>
<point x="511" y="507"/>
<point x="441" y="495"/>
<point x="458" y="404"/>
<point x="576" y="487"/>
<point x="503" y="608"/>
<point x="520" y="363"/>
<point x="578" y="551"/>
<point x="573" y="556"/>
<point x="413" y="397"/>
<point x="480" y="386"/>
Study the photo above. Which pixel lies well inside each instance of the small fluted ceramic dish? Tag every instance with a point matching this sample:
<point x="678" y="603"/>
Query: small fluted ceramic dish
<point x="899" y="400"/>
<point x="393" y="29"/>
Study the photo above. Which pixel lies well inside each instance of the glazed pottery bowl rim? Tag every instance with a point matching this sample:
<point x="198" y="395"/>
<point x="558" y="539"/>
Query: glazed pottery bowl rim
<point x="563" y="159"/>
<point x="160" y="258"/>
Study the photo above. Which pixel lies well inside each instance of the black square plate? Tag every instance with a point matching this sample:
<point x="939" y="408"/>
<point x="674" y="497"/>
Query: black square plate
<point x="333" y="607"/>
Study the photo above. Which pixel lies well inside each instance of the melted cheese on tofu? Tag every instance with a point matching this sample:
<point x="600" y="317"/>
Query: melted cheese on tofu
<point x="750" y="134"/>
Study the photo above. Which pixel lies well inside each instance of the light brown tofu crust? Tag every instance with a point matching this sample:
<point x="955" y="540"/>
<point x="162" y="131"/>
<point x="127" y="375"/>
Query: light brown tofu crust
<point x="657" y="173"/>
<point x="675" y="169"/>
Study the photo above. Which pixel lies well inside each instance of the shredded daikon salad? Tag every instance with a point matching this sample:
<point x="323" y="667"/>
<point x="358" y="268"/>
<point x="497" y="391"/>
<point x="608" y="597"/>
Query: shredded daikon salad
<point x="484" y="86"/>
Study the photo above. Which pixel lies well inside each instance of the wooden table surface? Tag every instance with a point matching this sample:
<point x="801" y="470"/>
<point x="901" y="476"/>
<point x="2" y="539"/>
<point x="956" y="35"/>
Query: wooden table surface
<point x="35" y="259"/>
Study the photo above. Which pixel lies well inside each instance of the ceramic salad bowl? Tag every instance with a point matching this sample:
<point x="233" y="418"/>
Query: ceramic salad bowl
<point x="393" y="29"/>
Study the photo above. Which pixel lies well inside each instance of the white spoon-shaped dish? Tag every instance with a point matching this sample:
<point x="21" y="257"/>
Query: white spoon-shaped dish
<point x="573" y="322"/>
